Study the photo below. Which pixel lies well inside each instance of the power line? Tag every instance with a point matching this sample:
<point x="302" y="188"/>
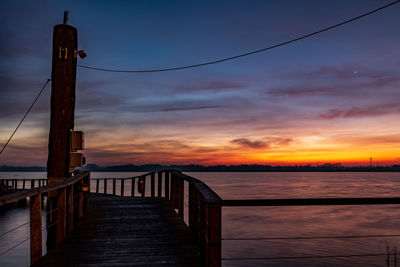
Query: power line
<point x="26" y="114"/>
<point x="248" y="53"/>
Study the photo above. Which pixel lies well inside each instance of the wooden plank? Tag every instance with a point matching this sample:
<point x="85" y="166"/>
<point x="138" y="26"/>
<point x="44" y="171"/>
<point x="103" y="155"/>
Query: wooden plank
<point x="36" y="227"/>
<point x="125" y="231"/>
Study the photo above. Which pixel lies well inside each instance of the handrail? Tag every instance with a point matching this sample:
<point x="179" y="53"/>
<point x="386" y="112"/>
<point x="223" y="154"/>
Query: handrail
<point x="10" y="185"/>
<point x="209" y="196"/>
<point x="64" y="212"/>
<point x="14" y="197"/>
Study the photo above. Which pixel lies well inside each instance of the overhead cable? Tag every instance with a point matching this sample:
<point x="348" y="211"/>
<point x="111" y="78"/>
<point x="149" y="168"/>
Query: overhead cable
<point x="26" y="114"/>
<point x="247" y="53"/>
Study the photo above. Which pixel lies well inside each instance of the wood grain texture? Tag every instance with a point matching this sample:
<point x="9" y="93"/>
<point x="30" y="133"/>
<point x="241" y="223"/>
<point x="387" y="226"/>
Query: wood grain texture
<point x="126" y="231"/>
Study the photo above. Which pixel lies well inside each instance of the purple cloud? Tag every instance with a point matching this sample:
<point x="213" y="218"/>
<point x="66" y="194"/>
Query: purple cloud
<point x="248" y="143"/>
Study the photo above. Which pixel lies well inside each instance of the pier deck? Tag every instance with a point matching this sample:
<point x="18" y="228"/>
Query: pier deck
<point x="126" y="231"/>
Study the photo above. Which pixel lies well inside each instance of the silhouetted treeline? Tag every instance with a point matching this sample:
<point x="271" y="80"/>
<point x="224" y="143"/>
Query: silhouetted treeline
<point x="329" y="167"/>
<point x="6" y="168"/>
<point x="336" y="167"/>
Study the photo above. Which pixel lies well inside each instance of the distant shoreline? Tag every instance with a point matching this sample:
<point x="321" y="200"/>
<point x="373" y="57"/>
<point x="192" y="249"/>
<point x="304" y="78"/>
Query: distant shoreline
<point x="217" y="168"/>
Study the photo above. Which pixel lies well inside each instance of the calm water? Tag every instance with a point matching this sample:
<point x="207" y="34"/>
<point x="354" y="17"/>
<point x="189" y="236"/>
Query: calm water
<point x="275" y="222"/>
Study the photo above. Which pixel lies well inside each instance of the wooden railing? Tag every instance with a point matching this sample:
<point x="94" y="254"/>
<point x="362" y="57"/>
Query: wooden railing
<point x="203" y="204"/>
<point x="71" y="204"/>
<point x="11" y="185"/>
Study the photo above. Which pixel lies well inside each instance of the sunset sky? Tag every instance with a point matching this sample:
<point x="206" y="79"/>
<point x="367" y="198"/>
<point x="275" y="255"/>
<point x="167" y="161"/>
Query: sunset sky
<point x="333" y="97"/>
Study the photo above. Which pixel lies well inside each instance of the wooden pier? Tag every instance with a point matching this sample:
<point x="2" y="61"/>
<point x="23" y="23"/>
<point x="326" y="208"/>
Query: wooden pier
<point x="163" y="218"/>
<point x="126" y="228"/>
<point x="125" y="231"/>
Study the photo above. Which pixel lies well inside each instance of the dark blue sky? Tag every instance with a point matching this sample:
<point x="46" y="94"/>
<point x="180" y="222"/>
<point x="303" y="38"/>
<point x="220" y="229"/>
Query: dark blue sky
<point x="332" y="97"/>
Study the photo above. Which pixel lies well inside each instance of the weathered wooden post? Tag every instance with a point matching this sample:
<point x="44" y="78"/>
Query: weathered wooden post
<point x="63" y="78"/>
<point x="62" y="106"/>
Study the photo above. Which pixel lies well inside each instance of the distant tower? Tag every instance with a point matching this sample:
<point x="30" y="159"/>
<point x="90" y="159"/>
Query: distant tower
<point x="370" y="162"/>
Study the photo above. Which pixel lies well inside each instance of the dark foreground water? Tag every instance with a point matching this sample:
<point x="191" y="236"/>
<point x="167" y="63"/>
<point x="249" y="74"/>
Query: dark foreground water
<point x="263" y="223"/>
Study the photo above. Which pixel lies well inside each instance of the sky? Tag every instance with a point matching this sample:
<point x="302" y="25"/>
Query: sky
<point x="333" y="97"/>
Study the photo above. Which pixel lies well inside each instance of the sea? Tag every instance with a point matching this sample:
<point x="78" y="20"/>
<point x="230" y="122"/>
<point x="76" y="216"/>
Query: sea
<point x="365" y="235"/>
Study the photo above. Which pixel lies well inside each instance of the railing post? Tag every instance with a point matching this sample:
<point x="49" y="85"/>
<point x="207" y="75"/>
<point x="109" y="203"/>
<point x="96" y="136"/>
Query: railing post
<point x="122" y="187"/>
<point x="32" y="183"/>
<point x="159" y="184"/>
<point x="173" y="192"/>
<point x="132" y="187"/>
<point x="214" y="235"/>
<point x="199" y="213"/>
<point x="80" y="202"/>
<point x="86" y="180"/>
<point x="203" y="233"/>
<point x="70" y="200"/>
<point x="36" y="227"/>
<point x="105" y="186"/>
<point x="192" y="207"/>
<point x="144" y="186"/>
<point x="97" y="185"/>
<point x="181" y="196"/>
<point x="61" y="215"/>
<point x="114" y="186"/>
<point x="166" y="184"/>
<point x="152" y="184"/>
